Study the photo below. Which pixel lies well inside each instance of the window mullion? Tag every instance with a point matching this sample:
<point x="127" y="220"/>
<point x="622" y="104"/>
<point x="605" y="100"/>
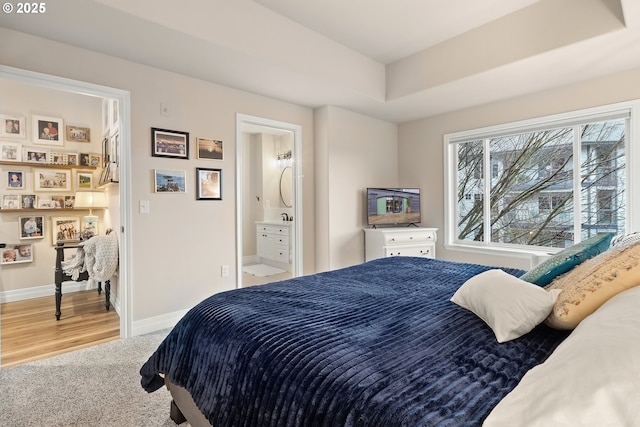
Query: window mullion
<point x="486" y="160"/>
<point x="577" y="187"/>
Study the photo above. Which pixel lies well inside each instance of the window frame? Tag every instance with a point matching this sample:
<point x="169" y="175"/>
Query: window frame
<point x="605" y="112"/>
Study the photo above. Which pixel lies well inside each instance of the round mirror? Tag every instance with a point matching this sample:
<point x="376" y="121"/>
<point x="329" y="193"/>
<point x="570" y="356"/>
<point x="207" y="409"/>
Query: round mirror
<point x="286" y="186"/>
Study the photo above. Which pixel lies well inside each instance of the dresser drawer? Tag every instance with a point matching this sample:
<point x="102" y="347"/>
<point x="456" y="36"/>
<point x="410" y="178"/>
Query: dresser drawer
<point x="427" y="251"/>
<point x="409" y="241"/>
<point x="417" y="236"/>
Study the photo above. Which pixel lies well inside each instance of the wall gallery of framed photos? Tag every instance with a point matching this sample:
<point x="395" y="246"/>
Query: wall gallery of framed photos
<point x="51" y="147"/>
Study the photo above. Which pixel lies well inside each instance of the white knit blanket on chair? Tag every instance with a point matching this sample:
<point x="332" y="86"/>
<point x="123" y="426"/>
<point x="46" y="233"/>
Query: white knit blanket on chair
<point x="98" y="256"/>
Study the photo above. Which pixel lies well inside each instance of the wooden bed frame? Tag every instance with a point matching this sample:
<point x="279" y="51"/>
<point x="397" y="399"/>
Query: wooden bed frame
<point x="183" y="408"/>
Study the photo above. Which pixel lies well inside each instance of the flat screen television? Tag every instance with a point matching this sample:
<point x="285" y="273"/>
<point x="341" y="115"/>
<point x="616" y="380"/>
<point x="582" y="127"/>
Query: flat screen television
<point x="393" y="206"/>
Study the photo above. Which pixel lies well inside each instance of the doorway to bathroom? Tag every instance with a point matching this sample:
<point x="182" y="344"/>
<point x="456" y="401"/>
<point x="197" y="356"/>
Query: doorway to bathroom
<point x="269" y="238"/>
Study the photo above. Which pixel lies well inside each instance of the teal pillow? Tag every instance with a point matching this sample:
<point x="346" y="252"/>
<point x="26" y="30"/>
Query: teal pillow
<point x="543" y="273"/>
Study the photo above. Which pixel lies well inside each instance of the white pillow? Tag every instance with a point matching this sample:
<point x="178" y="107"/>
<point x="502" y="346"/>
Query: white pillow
<point x="591" y="379"/>
<point x="509" y="305"/>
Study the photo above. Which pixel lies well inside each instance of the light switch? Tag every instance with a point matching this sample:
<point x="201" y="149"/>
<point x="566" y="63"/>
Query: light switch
<point x="144" y="206"/>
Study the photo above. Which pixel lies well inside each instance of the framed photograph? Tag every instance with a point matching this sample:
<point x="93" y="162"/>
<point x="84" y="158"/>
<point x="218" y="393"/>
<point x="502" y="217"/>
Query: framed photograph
<point x="57" y="202"/>
<point x="31" y="227"/>
<point x="78" y="134"/>
<point x="15" y="180"/>
<point x="84" y="159"/>
<point x="209" y="148"/>
<point x="65" y="229"/>
<point x="48" y="130"/>
<point x="84" y="181"/>
<point x="209" y="183"/>
<point x="35" y="155"/>
<point x="44" y="202"/>
<point x="72" y="159"/>
<point x="16" y="253"/>
<point x="95" y="160"/>
<point x="69" y="202"/>
<point x="169" y="181"/>
<point x="89" y="227"/>
<point x="169" y="143"/>
<point x="12" y="126"/>
<point x="57" y="158"/>
<point x="52" y="180"/>
<point x="11" y="152"/>
<point x="28" y="201"/>
<point x="11" y="201"/>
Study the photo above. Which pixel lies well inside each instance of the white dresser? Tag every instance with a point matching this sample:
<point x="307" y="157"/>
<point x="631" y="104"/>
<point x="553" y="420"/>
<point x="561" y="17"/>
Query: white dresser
<point x="273" y="243"/>
<point x="410" y="241"/>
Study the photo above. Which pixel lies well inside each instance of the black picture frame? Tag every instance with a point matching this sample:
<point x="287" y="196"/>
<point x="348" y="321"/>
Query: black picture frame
<point x="208" y="184"/>
<point x="169" y="143"/>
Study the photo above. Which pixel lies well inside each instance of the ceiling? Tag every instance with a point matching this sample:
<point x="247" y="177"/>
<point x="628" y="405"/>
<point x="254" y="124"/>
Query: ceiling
<point x="397" y="60"/>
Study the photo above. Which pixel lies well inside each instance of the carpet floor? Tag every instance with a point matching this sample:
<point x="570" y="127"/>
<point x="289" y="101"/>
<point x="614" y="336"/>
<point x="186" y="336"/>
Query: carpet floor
<point x="95" y="386"/>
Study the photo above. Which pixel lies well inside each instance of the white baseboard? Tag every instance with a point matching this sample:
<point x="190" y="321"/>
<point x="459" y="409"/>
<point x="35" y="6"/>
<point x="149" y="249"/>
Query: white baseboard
<point x="49" y="290"/>
<point x="41" y="291"/>
<point x="156" y="323"/>
<point x="250" y="259"/>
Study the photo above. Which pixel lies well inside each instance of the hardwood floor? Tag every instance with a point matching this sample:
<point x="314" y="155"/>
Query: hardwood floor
<point x="30" y="330"/>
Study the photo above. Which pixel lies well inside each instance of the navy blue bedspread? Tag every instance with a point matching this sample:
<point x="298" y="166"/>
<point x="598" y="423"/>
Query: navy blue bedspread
<point x="377" y="344"/>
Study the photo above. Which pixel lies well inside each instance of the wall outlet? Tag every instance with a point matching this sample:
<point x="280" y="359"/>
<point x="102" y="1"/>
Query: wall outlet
<point x="224" y="271"/>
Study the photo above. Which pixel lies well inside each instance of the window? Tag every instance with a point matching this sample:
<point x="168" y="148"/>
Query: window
<point x="545" y="183"/>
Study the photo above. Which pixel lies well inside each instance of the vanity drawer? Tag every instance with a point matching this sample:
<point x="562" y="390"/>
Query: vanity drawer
<point x="273" y="229"/>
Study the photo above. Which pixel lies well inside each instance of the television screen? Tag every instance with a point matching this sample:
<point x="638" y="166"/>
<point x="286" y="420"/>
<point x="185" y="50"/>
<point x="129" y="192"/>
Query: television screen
<point x="392" y="206"/>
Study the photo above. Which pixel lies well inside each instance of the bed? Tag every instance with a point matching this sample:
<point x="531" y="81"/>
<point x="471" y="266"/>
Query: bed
<point x="377" y="344"/>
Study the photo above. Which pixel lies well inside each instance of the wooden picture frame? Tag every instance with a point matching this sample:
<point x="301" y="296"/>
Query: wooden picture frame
<point x="65" y="229"/>
<point x="31" y="227"/>
<point x="210" y="149"/>
<point x="15" y="180"/>
<point x="95" y="160"/>
<point x="28" y="201"/>
<point x="169" y="143"/>
<point x="13" y="126"/>
<point x="84" y="159"/>
<point x="44" y="202"/>
<point x="48" y="130"/>
<point x="57" y="158"/>
<point x="84" y="180"/>
<point x="72" y="159"/>
<point x="57" y="201"/>
<point x="208" y="184"/>
<point x="35" y="155"/>
<point x="78" y="134"/>
<point x="11" y="201"/>
<point x="169" y="181"/>
<point x="17" y="253"/>
<point x="58" y="180"/>
<point x="11" y="152"/>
